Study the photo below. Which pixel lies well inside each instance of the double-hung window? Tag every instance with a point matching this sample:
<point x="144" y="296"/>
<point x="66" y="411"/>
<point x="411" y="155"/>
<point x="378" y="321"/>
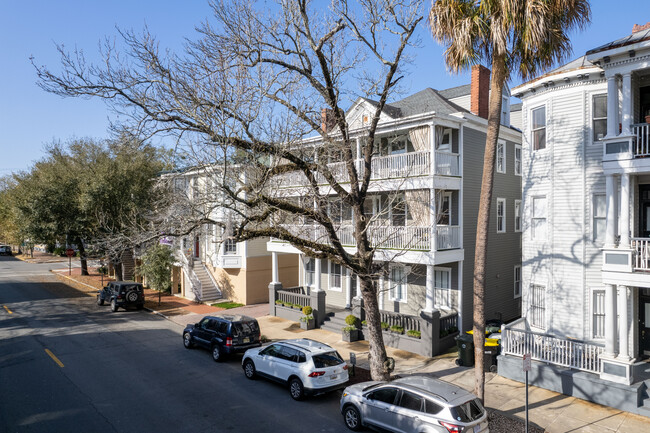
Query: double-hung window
<point x="501" y="215"/>
<point x="501" y="157"/>
<point x="517" y="215"/>
<point x="598" y="314"/>
<point x="310" y="272"/>
<point x="397" y="290"/>
<point x="538" y="306"/>
<point x="518" y="159"/>
<point x="336" y="274"/>
<point x="599" y="214"/>
<point x="229" y="247"/>
<point x="599" y="117"/>
<point x="517" y="291"/>
<point x="442" y="287"/>
<point x="539" y="128"/>
<point x="539" y="217"/>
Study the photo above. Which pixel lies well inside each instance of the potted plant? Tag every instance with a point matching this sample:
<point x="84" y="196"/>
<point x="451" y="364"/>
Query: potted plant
<point x="297" y="307"/>
<point x="350" y="332"/>
<point x="278" y="302"/>
<point x="307" y="320"/>
<point x="384" y="326"/>
<point x="414" y="333"/>
<point x="397" y="329"/>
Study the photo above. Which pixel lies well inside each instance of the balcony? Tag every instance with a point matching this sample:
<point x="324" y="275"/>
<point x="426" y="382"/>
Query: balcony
<point x="385" y="237"/>
<point x="399" y="166"/>
<point x="641" y="132"/>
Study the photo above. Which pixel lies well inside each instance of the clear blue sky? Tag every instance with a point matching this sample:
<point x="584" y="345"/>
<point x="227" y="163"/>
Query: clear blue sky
<point x="31" y="118"/>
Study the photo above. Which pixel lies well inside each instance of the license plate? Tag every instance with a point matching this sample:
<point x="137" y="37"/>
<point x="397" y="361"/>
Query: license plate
<point x="247" y="340"/>
<point x="334" y="376"/>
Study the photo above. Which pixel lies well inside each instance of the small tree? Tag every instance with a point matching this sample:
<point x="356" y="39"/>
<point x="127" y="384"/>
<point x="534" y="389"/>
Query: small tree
<point x="156" y="266"/>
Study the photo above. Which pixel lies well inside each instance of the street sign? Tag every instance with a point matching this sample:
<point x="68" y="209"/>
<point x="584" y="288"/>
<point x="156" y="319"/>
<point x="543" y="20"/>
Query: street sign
<point x="527" y="362"/>
<point x="69" y="252"/>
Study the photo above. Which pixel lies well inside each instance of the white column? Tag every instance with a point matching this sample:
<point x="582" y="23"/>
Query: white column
<point x="611" y="222"/>
<point x="380" y="292"/>
<point x="359" y="295"/>
<point x="433" y="220"/>
<point x="612" y="106"/>
<point x="274" y="268"/>
<point x="610" y="320"/>
<point x="432" y="149"/>
<point x="428" y="306"/>
<point x="623" y="347"/>
<point x="317" y="283"/>
<point x="625" y="211"/>
<point x="626" y="100"/>
<point x="348" y="288"/>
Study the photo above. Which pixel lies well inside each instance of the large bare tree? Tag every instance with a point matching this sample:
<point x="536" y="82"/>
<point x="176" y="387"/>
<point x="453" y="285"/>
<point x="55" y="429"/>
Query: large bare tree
<point x="513" y="36"/>
<point x="243" y="98"/>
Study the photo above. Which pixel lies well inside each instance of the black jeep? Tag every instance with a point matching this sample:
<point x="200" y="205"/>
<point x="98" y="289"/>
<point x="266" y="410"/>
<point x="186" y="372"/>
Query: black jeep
<point x="122" y="294"/>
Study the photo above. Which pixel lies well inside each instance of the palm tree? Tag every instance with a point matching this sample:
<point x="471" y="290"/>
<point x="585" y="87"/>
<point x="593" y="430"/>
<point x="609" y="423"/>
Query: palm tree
<point x="520" y="36"/>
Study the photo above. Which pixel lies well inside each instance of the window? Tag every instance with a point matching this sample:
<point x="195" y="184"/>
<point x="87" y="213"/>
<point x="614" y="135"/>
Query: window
<point x="335" y="276"/>
<point x="517" y="215"/>
<point x="431" y="407"/>
<point x="538" y="306"/>
<point x="505" y="110"/>
<point x="599" y="214"/>
<point x="410" y="401"/>
<point x="598" y="314"/>
<point x="539" y="218"/>
<point x="445" y="142"/>
<point x="229" y="247"/>
<point x="442" y="287"/>
<point x="385" y="395"/>
<point x="310" y="272"/>
<point x="398" y="213"/>
<point x="501" y="157"/>
<point x="517" y="282"/>
<point x="397" y="284"/>
<point x="518" y="159"/>
<point x="501" y="215"/>
<point x="539" y="128"/>
<point x="444" y="208"/>
<point x="599" y="117"/>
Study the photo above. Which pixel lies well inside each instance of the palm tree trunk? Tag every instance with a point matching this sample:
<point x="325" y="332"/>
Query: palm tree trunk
<point x="497" y="82"/>
<point x="377" y="356"/>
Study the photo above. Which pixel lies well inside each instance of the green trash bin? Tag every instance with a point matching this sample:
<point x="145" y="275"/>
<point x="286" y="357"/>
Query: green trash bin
<point x="465" y="343"/>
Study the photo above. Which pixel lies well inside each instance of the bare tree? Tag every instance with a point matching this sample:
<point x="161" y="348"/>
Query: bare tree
<point x="242" y="101"/>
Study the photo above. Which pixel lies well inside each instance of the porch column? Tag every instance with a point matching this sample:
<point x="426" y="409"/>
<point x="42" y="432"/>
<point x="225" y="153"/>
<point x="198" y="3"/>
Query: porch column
<point x="432" y="149"/>
<point x="359" y="294"/>
<point x="348" y="288"/>
<point x="623" y="347"/>
<point x="612" y="106"/>
<point x="428" y="306"/>
<point x="611" y="223"/>
<point x="626" y="113"/>
<point x="380" y="292"/>
<point x="317" y="283"/>
<point x="610" y="320"/>
<point x="625" y="211"/>
<point x="274" y="268"/>
<point x="433" y="218"/>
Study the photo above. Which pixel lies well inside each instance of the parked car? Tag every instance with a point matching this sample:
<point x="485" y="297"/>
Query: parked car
<point x="223" y="334"/>
<point x="413" y="404"/>
<point x="5" y="250"/>
<point x="122" y="294"/>
<point x="308" y="367"/>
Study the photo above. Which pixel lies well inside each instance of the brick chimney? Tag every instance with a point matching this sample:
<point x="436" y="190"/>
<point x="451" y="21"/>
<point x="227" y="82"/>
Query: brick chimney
<point x="639" y="27"/>
<point x="480" y="90"/>
<point x="326" y="119"/>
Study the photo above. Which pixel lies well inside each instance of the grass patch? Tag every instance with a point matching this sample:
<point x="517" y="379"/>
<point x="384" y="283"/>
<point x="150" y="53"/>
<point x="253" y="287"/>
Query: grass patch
<point x="227" y="305"/>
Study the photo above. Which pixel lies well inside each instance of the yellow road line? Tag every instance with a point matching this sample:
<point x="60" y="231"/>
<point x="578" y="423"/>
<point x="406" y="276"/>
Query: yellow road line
<point x="54" y="357"/>
<point x="8" y="310"/>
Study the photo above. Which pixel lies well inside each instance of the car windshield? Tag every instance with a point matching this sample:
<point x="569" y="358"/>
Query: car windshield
<point x="468" y="411"/>
<point x="244" y="328"/>
<point x="329" y="359"/>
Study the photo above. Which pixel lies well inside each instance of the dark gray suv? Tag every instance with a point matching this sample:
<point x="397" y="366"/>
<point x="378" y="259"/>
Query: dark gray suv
<point x="223" y="334"/>
<point x="122" y="294"/>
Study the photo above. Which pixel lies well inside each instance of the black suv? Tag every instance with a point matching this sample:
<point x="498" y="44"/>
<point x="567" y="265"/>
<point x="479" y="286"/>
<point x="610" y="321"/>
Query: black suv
<point x="223" y="334"/>
<point x="122" y="294"/>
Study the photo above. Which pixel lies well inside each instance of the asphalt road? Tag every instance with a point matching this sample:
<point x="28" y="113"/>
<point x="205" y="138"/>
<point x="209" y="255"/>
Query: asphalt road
<point x="68" y="365"/>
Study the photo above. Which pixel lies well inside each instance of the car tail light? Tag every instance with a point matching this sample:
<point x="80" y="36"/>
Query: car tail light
<point x="451" y="428"/>
<point x="316" y="373"/>
<point x="229" y="341"/>
<point x="345" y="367"/>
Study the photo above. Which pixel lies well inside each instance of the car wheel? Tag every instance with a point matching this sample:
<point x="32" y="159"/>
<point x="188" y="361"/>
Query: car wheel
<point x="352" y="418"/>
<point x="249" y="369"/>
<point x="216" y="353"/>
<point x="100" y="300"/>
<point x="187" y="341"/>
<point x="296" y="389"/>
<point x="459" y="362"/>
<point x="113" y="306"/>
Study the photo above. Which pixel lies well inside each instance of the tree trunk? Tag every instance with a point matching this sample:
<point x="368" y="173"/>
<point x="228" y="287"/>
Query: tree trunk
<point x="82" y="257"/>
<point x="377" y="356"/>
<point x="117" y="266"/>
<point x="483" y="223"/>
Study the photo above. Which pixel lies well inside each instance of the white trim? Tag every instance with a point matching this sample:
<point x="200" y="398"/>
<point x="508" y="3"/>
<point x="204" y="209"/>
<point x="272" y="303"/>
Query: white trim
<point x="600" y="241"/>
<point x="501" y="228"/>
<point x="518" y="215"/>
<point x="515" y="295"/>
<point x="330" y="275"/>
<point x="532" y="131"/>
<point x="403" y="283"/>
<point x="592" y="96"/>
<point x="501" y="144"/>
<point x="448" y="304"/>
<point x="592" y="312"/>
<point x="521" y="160"/>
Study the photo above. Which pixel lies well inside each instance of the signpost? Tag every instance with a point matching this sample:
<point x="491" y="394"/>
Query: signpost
<point x="69" y="252"/>
<point x="527" y="369"/>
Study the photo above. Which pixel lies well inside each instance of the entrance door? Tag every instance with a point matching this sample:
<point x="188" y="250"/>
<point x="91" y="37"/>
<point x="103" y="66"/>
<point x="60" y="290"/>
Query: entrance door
<point x="196" y="246"/>
<point x="644" y="211"/>
<point x="644" y="325"/>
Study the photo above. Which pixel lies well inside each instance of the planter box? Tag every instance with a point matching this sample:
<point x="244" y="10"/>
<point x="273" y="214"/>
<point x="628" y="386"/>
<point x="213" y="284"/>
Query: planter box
<point x="288" y="313"/>
<point x="307" y="324"/>
<point x="350" y="336"/>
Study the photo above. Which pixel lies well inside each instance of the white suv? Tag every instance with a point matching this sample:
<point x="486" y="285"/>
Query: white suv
<point x="307" y="366"/>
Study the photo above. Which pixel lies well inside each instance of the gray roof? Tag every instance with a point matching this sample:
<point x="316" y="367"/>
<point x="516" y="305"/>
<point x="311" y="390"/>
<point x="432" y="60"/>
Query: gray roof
<point x="643" y="35"/>
<point x="388" y="109"/>
<point x="456" y="92"/>
<point x="427" y="100"/>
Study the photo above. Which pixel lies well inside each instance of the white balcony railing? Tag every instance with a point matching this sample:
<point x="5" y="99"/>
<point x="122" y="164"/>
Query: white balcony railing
<point x="384" y="236"/>
<point x="641" y="247"/>
<point x="642" y="133"/>
<point x="546" y="348"/>
<point x="447" y="164"/>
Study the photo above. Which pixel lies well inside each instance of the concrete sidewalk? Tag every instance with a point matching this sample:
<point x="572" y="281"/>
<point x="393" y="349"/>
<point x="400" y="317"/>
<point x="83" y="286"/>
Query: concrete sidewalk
<point x="549" y="410"/>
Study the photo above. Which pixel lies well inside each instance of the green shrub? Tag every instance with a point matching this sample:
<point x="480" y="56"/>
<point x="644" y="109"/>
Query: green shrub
<point x="414" y="333"/>
<point x="307" y="310"/>
<point x="288" y="304"/>
<point x="364" y="322"/>
<point x="398" y="329"/>
<point x="278" y="302"/>
<point x="384" y="326"/>
<point x="351" y="320"/>
<point x="297" y="306"/>
<point x="348" y="329"/>
<point x="306" y="318"/>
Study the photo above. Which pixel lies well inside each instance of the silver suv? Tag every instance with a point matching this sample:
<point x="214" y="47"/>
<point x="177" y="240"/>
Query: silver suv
<point x="413" y="404"/>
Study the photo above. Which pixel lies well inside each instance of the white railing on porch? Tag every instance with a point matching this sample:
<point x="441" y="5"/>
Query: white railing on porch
<point x="641" y="247"/>
<point x="546" y="348"/>
<point x="447" y="164"/>
<point x="642" y="133"/>
<point x="448" y="237"/>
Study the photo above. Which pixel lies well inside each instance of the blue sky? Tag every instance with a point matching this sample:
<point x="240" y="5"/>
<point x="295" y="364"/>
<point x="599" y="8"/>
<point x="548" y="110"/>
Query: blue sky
<point x="31" y="118"/>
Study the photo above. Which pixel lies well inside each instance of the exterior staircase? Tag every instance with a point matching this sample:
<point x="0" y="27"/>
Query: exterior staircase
<point x="335" y="319"/>
<point x="209" y="290"/>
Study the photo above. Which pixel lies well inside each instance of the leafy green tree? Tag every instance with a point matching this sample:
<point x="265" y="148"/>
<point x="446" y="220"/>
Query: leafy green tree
<point x="156" y="266"/>
<point x="524" y="37"/>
